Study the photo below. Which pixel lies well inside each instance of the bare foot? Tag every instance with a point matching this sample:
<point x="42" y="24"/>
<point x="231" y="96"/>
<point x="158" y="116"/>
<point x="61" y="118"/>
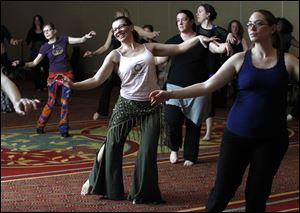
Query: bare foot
<point x="206" y="138"/>
<point x="96" y="116"/>
<point x="289" y="117"/>
<point x="86" y="188"/>
<point x="188" y="163"/>
<point x="173" y="157"/>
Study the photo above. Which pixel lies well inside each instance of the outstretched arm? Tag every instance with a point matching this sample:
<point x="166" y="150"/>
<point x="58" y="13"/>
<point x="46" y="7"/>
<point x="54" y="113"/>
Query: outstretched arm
<point x="175" y="49"/>
<point x="224" y="75"/>
<point x="216" y="47"/>
<point x="30" y="64"/>
<point x="102" y="74"/>
<point x="83" y="39"/>
<point x="145" y="33"/>
<point x="21" y="105"/>
<point x="101" y="49"/>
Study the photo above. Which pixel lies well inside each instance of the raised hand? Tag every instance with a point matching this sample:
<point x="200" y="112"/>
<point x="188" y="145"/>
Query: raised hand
<point x="90" y="34"/>
<point x="228" y="49"/>
<point x="231" y="38"/>
<point x="155" y="34"/>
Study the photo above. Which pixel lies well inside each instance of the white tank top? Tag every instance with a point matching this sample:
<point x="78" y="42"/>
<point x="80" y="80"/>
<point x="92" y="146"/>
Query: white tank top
<point x="138" y="76"/>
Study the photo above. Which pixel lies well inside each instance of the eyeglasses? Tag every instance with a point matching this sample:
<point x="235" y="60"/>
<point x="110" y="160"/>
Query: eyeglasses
<point x="46" y="31"/>
<point x="255" y="24"/>
<point x="119" y="27"/>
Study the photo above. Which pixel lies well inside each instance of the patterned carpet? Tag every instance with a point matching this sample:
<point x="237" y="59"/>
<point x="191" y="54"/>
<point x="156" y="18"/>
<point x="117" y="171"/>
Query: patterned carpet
<point x="26" y="154"/>
<point x="45" y="172"/>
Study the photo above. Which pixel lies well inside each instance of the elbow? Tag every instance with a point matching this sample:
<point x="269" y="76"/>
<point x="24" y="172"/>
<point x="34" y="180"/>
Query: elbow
<point x="206" y="88"/>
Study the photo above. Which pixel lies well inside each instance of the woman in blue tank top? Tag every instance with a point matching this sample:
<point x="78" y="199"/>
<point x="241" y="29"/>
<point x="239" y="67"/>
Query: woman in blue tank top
<point x="256" y="133"/>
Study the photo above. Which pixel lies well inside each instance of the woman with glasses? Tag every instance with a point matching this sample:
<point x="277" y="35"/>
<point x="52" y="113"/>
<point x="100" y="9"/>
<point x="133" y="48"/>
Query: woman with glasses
<point x="112" y="43"/>
<point x="135" y="66"/>
<point x="256" y="132"/>
<point x="56" y="51"/>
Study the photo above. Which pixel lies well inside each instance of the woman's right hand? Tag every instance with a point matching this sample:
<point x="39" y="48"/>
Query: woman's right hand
<point x="88" y="54"/>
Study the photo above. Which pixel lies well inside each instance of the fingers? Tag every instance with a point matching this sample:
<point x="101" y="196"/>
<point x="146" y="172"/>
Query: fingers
<point x="202" y="41"/>
<point x="19" y="111"/>
<point x="34" y="103"/>
<point x="216" y="43"/>
<point x="15" y="63"/>
<point x="90" y="34"/>
<point x="26" y="105"/>
<point x="158" y="96"/>
<point x="87" y="54"/>
<point x="155" y="34"/>
<point x="229" y="50"/>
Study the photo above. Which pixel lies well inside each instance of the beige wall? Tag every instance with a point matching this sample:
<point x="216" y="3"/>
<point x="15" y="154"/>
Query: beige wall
<point x="75" y="18"/>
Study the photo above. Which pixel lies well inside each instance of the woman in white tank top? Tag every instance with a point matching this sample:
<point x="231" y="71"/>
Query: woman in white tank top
<point x="136" y="68"/>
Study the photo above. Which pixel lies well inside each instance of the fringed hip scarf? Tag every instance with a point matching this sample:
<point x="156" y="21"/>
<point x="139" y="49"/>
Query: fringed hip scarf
<point x="129" y="113"/>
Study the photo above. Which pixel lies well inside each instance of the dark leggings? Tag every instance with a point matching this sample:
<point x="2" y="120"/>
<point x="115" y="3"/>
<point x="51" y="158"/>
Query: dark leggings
<point x="175" y="120"/>
<point x="264" y="156"/>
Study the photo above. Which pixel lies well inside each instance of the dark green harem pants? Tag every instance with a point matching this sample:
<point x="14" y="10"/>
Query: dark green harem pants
<point x="106" y="177"/>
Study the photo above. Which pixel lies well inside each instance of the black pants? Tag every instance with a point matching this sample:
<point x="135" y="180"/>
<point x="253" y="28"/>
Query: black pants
<point x="175" y="120"/>
<point x="107" y="87"/>
<point x="295" y="110"/>
<point x="264" y="156"/>
<point x="40" y="73"/>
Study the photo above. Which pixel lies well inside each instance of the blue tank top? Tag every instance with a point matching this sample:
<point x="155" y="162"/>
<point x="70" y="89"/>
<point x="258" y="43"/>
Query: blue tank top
<point x="260" y="105"/>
